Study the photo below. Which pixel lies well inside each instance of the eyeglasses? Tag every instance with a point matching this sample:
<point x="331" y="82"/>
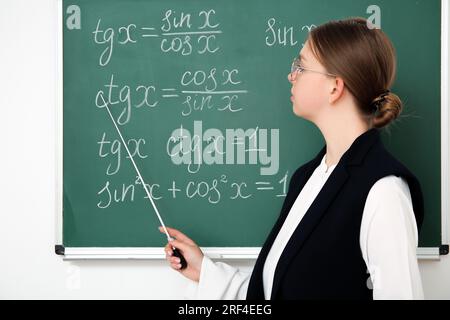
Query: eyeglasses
<point x="296" y="68"/>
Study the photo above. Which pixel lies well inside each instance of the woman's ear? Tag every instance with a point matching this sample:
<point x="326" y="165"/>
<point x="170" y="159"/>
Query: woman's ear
<point x="336" y="89"/>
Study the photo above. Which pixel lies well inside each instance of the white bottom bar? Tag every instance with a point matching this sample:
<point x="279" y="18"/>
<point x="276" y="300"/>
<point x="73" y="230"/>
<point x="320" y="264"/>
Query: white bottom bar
<point x="428" y="253"/>
<point x="212" y="252"/>
<point x="154" y="253"/>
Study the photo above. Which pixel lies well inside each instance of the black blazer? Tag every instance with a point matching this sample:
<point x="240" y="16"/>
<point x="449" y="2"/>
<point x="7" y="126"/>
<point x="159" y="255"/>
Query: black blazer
<point x="323" y="259"/>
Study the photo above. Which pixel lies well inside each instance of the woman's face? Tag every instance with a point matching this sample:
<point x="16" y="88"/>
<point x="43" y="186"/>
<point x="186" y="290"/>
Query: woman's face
<point x="310" y="90"/>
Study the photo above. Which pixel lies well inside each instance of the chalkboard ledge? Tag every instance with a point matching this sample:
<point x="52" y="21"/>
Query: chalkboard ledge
<point x="156" y="253"/>
<point x="149" y="253"/>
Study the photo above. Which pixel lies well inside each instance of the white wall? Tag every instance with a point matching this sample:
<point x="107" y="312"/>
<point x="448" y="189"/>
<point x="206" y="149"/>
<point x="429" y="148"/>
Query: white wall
<point x="28" y="266"/>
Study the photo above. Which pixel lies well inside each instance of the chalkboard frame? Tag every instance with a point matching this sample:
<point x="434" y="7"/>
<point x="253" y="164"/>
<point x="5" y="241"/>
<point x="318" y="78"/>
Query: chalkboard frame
<point x="232" y="253"/>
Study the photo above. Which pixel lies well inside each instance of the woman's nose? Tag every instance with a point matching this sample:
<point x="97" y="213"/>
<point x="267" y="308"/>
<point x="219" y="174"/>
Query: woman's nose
<point x="289" y="77"/>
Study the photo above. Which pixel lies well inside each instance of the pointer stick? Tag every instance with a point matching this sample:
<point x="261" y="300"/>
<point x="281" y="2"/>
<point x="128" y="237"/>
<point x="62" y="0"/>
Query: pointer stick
<point x="176" y="253"/>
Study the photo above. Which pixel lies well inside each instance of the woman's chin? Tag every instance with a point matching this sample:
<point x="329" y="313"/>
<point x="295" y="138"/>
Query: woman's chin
<point x="296" y="110"/>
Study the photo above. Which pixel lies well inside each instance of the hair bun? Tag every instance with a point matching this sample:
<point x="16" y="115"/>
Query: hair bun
<point x="378" y="101"/>
<point x="387" y="107"/>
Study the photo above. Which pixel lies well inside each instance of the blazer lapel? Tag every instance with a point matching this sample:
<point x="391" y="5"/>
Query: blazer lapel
<point x="310" y="220"/>
<point x="256" y="289"/>
<point x="353" y="156"/>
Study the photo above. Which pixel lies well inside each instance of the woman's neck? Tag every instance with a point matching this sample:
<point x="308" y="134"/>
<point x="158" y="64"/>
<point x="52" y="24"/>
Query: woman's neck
<point x="339" y="139"/>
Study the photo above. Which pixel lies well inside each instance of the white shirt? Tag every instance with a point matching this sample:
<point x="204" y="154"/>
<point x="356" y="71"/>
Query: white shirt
<point x="388" y="241"/>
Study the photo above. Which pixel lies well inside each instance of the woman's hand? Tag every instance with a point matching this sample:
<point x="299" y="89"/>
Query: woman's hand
<point x="190" y="251"/>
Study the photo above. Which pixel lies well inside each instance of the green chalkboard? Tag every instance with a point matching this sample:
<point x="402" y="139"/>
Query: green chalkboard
<point x="200" y="92"/>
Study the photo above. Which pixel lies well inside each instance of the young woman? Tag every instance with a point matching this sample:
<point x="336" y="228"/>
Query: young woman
<point x="348" y="228"/>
